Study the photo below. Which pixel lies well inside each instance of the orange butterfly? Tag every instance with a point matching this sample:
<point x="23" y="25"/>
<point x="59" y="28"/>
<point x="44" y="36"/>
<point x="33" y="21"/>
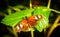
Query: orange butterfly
<point x="25" y="24"/>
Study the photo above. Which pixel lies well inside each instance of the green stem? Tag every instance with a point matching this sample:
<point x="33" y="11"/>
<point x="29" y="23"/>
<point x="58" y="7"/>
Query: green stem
<point x="48" y="6"/>
<point x="45" y="32"/>
<point x="14" y="8"/>
<point x="2" y="14"/>
<point x="54" y="26"/>
<point x="30" y="4"/>
<point x="32" y="34"/>
<point x="55" y="10"/>
<point x="9" y="11"/>
<point x="14" y="32"/>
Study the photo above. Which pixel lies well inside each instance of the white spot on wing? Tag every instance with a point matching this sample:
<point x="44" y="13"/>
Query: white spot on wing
<point x="39" y="16"/>
<point x="21" y="25"/>
<point x="36" y="18"/>
<point x="18" y="27"/>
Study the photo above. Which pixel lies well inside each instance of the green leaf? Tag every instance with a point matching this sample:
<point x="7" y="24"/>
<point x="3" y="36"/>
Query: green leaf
<point x="42" y="11"/>
<point x="13" y="19"/>
<point x="44" y="21"/>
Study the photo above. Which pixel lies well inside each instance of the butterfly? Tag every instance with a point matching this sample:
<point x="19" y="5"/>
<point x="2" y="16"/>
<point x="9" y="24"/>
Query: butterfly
<point x="27" y="23"/>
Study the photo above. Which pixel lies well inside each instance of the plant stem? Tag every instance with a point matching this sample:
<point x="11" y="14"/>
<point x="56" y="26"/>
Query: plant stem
<point x="9" y="11"/>
<point x="14" y="32"/>
<point x="30" y="4"/>
<point x="3" y="14"/>
<point x="48" y="6"/>
<point x="14" y="8"/>
<point x="55" y="10"/>
<point x="54" y="26"/>
<point x="45" y="32"/>
<point x="32" y="34"/>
